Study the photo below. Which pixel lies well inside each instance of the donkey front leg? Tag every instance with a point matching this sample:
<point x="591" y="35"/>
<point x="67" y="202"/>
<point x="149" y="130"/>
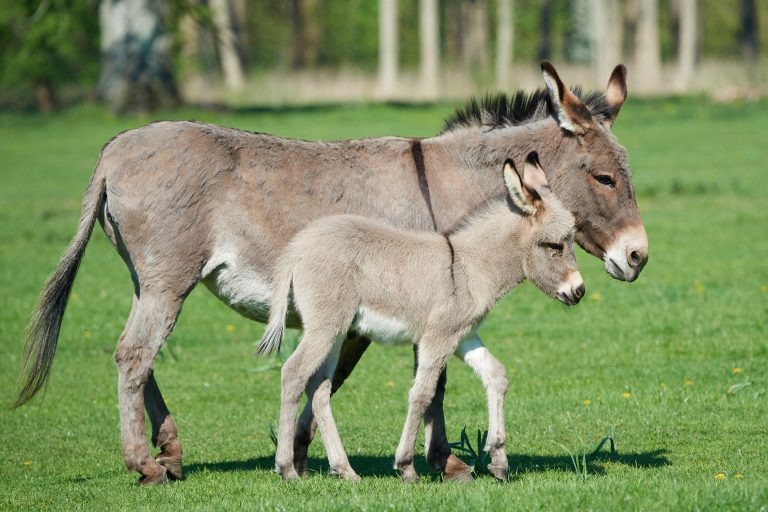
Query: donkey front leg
<point x="492" y="373"/>
<point x="151" y="321"/>
<point x="352" y="350"/>
<point x="433" y="355"/>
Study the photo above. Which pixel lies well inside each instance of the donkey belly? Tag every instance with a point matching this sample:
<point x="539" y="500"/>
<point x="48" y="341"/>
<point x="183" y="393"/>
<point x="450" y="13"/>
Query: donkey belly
<point x="239" y="285"/>
<point x="382" y="328"/>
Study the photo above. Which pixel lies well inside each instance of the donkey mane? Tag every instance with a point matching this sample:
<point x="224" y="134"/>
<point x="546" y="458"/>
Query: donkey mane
<point x="501" y="110"/>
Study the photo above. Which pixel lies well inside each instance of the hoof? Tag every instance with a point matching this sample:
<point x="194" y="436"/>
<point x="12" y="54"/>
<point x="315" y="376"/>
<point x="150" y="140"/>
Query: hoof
<point x="300" y="464"/>
<point x="409" y="475"/>
<point x="347" y="474"/>
<point x="289" y="474"/>
<point x="500" y="472"/>
<point x="155" y="477"/>
<point x="457" y="471"/>
<point x="172" y="466"/>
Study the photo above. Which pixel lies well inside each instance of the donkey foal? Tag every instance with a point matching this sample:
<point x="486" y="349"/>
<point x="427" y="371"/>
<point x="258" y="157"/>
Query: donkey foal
<point x="350" y="273"/>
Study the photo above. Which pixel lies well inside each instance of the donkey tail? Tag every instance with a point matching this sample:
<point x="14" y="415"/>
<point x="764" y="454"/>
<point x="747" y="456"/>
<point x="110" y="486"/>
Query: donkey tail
<point x="44" y="326"/>
<point x="273" y="334"/>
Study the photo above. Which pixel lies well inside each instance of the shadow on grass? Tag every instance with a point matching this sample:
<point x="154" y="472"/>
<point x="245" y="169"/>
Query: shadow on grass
<point x="518" y="464"/>
<point x="596" y="464"/>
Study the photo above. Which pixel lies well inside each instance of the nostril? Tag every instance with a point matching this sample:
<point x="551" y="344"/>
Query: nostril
<point x="634" y="258"/>
<point x="580" y="291"/>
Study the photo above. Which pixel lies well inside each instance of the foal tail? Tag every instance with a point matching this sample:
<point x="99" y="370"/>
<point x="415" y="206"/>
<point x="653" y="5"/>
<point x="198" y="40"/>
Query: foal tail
<point x="273" y="334"/>
<point x="43" y="329"/>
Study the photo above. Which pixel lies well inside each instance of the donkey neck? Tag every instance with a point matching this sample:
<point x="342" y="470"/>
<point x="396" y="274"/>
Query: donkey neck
<point x="489" y="251"/>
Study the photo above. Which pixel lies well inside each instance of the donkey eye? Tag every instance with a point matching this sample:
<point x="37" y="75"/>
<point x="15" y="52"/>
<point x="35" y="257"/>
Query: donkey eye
<point x="606" y="180"/>
<point x="557" y="247"/>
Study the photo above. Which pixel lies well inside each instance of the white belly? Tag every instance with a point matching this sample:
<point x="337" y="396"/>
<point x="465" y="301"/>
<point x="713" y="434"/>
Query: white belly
<point x="382" y="329"/>
<point x="242" y="288"/>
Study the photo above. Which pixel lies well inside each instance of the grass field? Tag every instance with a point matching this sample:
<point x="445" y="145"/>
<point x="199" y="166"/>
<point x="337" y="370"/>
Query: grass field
<point x="675" y="363"/>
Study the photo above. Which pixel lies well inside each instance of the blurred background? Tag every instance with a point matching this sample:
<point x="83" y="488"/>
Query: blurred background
<point x="141" y="55"/>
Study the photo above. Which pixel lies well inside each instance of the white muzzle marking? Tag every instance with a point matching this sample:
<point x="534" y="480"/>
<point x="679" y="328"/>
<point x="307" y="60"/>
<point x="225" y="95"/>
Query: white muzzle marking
<point x="617" y="256"/>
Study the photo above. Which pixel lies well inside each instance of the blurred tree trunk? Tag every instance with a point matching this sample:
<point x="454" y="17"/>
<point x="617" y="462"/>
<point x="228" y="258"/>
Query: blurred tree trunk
<point x="475" y="44"/>
<point x="687" y="39"/>
<point x="505" y="34"/>
<point x="306" y="34"/>
<point x="388" y="50"/>
<point x="137" y="71"/>
<point x="545" y="22"/>
<point x="647" y="53"/>
<point x="229" y="51"/>
<point x="607" y="35"/>
<point x="749" y="30"/>
<point x="429" y="40"/>
<point x="580" y="33"/>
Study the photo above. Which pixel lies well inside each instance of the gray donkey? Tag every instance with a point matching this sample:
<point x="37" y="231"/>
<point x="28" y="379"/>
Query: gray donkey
<point x="186" y="203"/>
<point x="352" y="273"/>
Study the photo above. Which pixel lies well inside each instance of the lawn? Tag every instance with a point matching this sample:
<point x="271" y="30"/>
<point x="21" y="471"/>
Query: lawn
<point x="675" y="364"/>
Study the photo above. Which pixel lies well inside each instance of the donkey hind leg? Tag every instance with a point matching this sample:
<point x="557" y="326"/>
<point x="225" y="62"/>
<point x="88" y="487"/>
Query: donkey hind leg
<point x="319" y="395"/>
<point x="311" y="353"/>
<point x="164" y="435"/>
<point x="152" y="319"/>
<point x="351" y="351"/>
<point x="439" y="456"/>
<point x="434" y="354"/>
<point x="491" y="371"/>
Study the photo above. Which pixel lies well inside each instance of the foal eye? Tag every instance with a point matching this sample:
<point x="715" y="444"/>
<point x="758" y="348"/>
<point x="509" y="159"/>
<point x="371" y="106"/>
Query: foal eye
<point x="606" y="180"/>
<point x="556" y="247"/>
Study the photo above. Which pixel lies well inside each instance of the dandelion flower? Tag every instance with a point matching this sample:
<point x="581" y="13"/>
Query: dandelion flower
<point x="390" y="383"/>
<point x="587" y="403"/>
<point x="26" y="462"/>
<point x="626" y="395"/>
<point x="595" y="296"/>
<point x="698" y="286"/>
<point x="720" y="476"/>
<point x="230" y="328"/>
<point x="736" y="370"/>
<point x="738" y="474"/>
<point x="689" y="382"/>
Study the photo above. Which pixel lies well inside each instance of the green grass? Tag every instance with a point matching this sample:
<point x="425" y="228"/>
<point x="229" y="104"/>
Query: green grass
<point x="653" y="359"/>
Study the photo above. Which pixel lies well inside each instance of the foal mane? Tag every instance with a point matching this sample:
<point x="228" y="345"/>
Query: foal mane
<point x="501" y="110"/>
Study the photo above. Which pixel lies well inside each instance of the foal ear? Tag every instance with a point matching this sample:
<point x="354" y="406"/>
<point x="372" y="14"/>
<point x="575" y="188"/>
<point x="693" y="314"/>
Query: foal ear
<point x="517" y="193"/>
<point x="616" y="92"/>
<point x="572" y="115"/>
<point x="534" y="178"/>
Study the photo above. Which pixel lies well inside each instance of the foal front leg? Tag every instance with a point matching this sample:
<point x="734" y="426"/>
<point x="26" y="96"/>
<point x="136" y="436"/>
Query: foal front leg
<point x="492" y="373"/>
<point x="433" y="356"/>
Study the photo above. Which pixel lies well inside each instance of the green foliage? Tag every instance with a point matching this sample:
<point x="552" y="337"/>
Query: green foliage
<point x="477" y="457"/>
<point x="49" y="42"/>
<point x="679" y="337"/>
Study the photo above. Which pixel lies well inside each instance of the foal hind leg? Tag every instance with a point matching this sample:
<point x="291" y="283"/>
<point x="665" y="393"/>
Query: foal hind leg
<point x="164" y="435"/>
<point x="152" y="320"/>
<point x="352" y="350"/>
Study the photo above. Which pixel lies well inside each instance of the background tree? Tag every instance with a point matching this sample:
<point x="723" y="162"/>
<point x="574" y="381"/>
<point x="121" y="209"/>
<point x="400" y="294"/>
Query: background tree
<point x="230" y="53"/>
<point x="137" y="70"/>
<point x="505" y="33"/>
<point x="647" y="53"/>
<point x="687" y="40"/>
<point x="749" y="40"/>
<point x="429" y="47"/>
<point x="388" y="47"/>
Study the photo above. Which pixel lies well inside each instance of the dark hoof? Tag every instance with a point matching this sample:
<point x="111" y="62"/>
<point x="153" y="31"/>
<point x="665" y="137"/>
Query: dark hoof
<point x="457" y="471"/>
<point x="172" y="466"/>
<point x="155" y="477"/>
<point x="500" y="472"/>
<point x="409" y="475"/>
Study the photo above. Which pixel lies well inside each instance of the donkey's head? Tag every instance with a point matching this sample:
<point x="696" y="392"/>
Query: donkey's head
<point x="547" y="233"/>
<point x="594" y="181"/>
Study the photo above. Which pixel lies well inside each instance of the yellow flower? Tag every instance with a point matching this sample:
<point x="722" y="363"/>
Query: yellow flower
<point x="595" y="296"/>
<point x="230" y="328"/>
<point x="736" y="370"/>
<point x="587" y="403"/>
<point x="720" y="476"/>
<point x="738" y="474"/>
<point x="87" y="334"/>
<point x="698" y="286"/>
<point x="764" y="288"/>
<point x="26" y="462"/>
<point x="390" y="384"/>
<point x="689" y="382"/>
<point x="626" y="395"/>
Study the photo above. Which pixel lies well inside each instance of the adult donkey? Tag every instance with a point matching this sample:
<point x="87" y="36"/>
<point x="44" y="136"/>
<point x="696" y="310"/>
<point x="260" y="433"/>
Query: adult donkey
<point x="184" y="202"/>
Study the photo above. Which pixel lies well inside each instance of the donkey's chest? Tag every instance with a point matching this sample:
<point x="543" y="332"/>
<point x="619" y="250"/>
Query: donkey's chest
<point x="383" y="328"/>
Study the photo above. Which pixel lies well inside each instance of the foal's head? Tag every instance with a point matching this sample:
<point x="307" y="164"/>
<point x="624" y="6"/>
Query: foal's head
<point x="547" y="233"/>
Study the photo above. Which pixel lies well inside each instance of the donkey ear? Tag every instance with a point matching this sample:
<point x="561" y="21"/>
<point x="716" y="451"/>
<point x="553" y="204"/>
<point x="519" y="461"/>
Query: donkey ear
<point x="572" y="115"/>
<point x="616" y="92"/>
<point x="522" y="200"/>
<point x="534" y="178"/>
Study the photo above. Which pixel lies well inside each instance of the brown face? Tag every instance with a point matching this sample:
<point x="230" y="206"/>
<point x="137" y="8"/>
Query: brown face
<point x="594" y="183"/>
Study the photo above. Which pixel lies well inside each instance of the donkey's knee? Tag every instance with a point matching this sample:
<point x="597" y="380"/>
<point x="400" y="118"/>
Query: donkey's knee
<point x="496" y="379"/>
